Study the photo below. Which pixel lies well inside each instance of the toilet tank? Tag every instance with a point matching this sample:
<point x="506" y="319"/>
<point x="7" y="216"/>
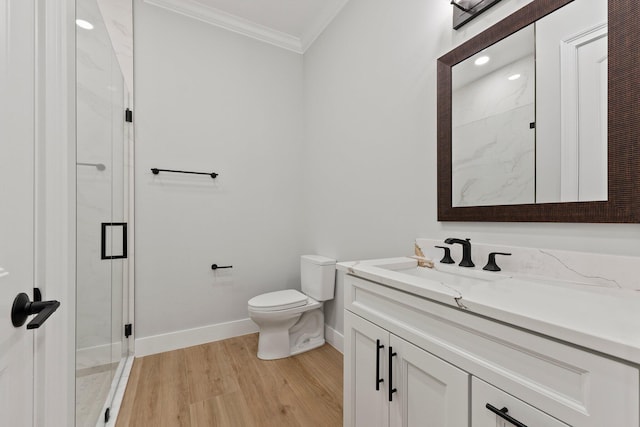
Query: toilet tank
<point x="318" y="276"/>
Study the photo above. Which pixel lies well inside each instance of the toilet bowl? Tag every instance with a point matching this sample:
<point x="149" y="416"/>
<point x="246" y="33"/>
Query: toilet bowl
<point x="275" y="322"/>
<point x="291" y="321"/>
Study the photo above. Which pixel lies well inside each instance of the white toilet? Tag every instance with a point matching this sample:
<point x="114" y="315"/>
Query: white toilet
<point x="290" y="321"/>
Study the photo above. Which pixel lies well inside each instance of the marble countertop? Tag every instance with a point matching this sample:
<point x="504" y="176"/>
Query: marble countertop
<point x="600" y="319"/>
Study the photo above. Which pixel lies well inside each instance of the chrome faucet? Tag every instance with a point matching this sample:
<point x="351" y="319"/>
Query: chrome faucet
<point x="466" y="251"/>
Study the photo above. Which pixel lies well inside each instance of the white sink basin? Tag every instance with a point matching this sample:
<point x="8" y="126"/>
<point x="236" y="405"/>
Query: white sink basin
<point x="453" y="275"/>
<point x="439" y="283"/>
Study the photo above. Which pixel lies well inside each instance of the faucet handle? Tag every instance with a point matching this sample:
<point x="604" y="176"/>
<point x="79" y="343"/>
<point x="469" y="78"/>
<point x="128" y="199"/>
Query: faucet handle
<point x="491" y="263"/>
<point x="446" y="259"/>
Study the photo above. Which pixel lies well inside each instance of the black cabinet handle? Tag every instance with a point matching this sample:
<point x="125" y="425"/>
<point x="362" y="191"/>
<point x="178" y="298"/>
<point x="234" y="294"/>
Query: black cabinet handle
<point x="216" y="266"/>
<point x="378" y="379"/>
<point x="391" y="389"/>
<point x="502" y="413"/>
<point x="23" y="308"/>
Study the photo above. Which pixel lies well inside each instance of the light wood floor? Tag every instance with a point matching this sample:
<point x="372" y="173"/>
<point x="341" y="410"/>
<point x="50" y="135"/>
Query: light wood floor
<point x="225" y="384"/>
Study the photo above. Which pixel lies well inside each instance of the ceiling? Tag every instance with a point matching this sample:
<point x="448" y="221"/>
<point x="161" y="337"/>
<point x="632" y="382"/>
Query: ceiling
<point x="290" y="24"/>
<point x="507" y="51"/>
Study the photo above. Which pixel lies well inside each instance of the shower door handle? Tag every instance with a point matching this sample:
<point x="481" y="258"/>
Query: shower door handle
<point x="103" y="240"/>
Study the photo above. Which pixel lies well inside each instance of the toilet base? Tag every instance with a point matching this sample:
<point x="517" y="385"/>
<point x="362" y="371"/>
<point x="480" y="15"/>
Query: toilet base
<point x="309" y="346"/>
<point x="306" y="334"/>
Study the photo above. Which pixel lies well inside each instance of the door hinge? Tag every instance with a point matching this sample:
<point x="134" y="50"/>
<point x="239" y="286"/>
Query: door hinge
<point x="107" y="415"/>
<point x="128" y="115"/>
<point x="128" y="330"/>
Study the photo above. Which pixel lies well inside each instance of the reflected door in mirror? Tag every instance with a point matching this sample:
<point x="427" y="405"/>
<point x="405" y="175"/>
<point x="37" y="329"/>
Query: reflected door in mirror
<point x="571" y="103"/>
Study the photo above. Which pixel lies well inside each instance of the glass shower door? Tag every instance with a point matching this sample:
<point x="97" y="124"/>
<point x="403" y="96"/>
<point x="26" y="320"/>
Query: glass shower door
<point x="103" y="138"/>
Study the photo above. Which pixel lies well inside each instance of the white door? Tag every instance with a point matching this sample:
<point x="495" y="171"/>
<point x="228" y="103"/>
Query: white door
<point x="592" y="107"/>
<point x="430" y="392"/>
<point x="365" y="352"/>
<point x="16" y="206"/>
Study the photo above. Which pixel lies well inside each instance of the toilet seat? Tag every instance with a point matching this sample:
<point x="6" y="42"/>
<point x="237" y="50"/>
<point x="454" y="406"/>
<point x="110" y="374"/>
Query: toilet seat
<point x="279" y="300"/>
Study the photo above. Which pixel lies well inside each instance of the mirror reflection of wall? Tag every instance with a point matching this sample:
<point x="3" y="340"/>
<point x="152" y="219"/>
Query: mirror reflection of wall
<point x="529" y="125"/>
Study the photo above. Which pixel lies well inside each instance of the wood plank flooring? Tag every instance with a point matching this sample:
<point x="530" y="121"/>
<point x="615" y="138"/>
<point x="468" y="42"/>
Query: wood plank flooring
<point x="224" y="384"/>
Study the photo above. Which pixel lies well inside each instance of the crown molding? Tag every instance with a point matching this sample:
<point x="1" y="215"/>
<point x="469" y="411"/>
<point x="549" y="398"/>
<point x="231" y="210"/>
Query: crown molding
<point x="320" y="24"/>
<point x="219" y="18"/>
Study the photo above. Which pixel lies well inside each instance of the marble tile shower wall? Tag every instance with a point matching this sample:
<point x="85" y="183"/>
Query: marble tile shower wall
<point x="118" y="19"/>
<point x="492" y="152"/>
<point x="96" y="90"/>
<point x="609" y="272"/>
<point x="101" y="190"/>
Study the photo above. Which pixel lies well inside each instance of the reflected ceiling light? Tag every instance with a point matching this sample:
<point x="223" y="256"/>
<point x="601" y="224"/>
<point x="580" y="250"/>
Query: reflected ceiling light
<point x="84" y="24"/>
<point x="514" y="77"/>
<point x="482" y="60"/>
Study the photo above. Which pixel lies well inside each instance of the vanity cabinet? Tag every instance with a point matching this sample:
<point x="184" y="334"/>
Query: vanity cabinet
<point x="483" y="394"/>
<point x="449" y="361"/>
<point x="366" y="402"/>
<point x="394" y="383"/>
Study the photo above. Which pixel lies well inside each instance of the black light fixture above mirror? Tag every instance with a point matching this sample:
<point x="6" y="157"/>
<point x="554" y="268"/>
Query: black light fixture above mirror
<point x="465" y="10"/>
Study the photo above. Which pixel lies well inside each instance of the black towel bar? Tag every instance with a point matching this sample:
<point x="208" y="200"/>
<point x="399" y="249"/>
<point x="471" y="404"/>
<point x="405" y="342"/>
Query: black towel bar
<point x="156" y="171"/>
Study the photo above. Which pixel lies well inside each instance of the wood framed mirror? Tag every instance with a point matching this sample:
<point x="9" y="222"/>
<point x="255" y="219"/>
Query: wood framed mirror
<point x="621" y="202"/>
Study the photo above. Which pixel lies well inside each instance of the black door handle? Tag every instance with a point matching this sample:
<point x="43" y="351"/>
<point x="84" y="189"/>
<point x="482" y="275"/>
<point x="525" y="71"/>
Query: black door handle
<point x="23" y="308"/>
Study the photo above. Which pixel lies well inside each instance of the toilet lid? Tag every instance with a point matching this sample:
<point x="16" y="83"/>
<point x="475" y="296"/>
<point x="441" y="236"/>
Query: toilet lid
<point x="279" y="300"/>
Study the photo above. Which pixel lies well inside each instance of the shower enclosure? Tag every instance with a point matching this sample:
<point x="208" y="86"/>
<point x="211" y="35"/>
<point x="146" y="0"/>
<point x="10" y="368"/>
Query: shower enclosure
<point x="104" y="140"/>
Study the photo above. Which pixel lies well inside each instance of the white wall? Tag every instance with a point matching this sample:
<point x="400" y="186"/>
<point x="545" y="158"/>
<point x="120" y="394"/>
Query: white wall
<point x="212" y="100"/>
<point x="331" y="153"/>
<point x="370" y="102"/>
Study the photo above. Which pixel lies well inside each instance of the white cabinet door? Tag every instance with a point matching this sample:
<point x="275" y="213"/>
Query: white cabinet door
<point x="484" y="394"/>
<point x="430" y="392"/>
<point x="365" y="396"/>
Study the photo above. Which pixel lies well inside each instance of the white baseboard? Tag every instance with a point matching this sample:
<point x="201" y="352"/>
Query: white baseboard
<point x="190" y="337"/>
<point x="335" y="338"/>
<point x="98" y="355"/>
